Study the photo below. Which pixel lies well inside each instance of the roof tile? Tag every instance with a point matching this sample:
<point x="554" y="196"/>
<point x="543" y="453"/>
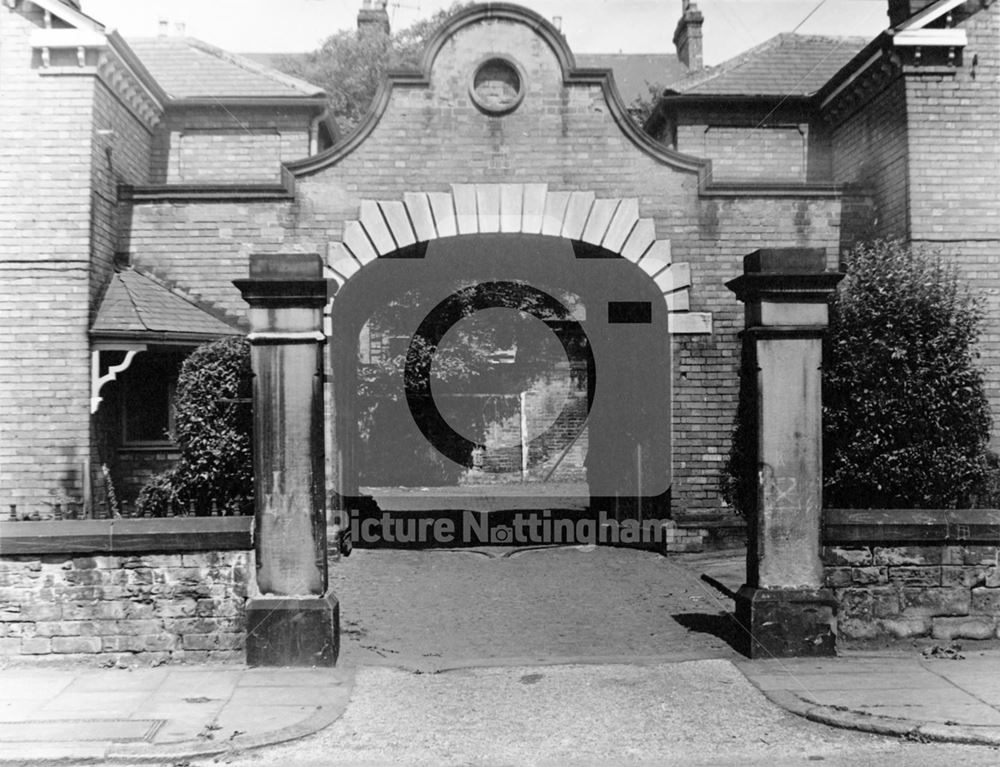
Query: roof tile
<point x="136" y="303"/>
<point x="189" y="68"/>
<point x="785" y="65"/>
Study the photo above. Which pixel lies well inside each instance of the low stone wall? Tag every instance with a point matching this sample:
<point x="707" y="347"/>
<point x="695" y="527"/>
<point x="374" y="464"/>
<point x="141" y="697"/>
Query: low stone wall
<point x="129" y="596"/>
<point x="914" y="573"/>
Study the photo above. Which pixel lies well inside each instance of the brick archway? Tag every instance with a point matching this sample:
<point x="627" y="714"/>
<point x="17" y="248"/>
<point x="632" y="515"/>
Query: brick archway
<point x="614" y="224"/>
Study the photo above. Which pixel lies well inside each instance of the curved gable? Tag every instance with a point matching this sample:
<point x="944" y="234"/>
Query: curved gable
<point x="438" y="101"/>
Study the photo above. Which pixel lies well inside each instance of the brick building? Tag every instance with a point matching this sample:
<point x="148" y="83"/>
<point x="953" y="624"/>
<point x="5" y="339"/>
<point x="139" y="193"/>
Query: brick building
<point x="139" y="176"/>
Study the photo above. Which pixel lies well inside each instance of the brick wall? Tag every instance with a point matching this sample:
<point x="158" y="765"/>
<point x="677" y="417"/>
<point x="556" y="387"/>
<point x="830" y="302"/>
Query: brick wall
<point x="150" y="606"/>
<point x="228" y="144"/>
<point x="870" y="149"/>
<point x="784" y="143"/>
<point x="773" y="152"/>
<point x="45" y="222"/>
<point x="705" y="368"/>
<point x="119" y="157"/>
<point x="954" y="142"/>
<point x="561" y="135"/>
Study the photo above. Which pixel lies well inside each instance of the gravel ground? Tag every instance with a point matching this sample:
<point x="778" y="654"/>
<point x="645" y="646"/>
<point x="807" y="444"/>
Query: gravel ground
<point x="432" y="609"/>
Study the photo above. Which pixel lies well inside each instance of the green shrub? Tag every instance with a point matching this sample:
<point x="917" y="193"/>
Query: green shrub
<point x="906" y="420"/>
<point x="213" y="431"/>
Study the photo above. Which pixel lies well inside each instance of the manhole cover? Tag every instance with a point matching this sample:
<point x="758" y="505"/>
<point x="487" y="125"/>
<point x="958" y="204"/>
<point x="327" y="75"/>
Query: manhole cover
<point x="62" y="730"/>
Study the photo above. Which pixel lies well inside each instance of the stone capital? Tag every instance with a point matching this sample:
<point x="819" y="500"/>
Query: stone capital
<point x="786" y="288"/>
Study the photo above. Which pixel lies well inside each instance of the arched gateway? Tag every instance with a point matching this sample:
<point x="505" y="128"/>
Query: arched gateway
<point x="499" y="163"/>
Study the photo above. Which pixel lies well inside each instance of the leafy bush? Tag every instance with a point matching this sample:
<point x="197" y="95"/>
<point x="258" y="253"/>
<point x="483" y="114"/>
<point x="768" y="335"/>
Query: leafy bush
<point x="214" y="433"/>
<point x="905" y="417"/>
<point x="906" y="420"/>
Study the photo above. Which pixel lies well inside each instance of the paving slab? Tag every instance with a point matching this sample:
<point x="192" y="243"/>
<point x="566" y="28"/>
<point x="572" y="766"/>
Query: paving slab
<point x="167" y="713"/>
<point x="908" y="695"/>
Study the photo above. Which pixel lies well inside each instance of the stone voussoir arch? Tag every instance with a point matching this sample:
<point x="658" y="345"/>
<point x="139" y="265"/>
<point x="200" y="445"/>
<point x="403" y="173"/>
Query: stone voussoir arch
<point x="614" y="224"/>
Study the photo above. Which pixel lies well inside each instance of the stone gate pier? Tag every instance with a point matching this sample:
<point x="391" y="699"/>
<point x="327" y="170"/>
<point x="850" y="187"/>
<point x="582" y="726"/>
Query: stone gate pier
<point x="783" y="606"/>
<point x="294" y="620"/>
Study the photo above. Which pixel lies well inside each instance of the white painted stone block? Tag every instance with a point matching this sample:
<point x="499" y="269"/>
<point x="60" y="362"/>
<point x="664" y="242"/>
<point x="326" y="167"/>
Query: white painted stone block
<point x="419" y="209"/>
<point x="511" y="203"/>
<point x="358" y="243"/>
<point x="640" y="240"/>
<point x="600" y="218"/>
<point x="443" y="208"/>
<point x="488" y="205"/>
<point x="399" y="223"/>
<point x="465" y="208"/>
<point x="376" y="228"/>
<point x="534" y="208"/>
<point x="626" y="217"/>
<point x="577" y="212"/>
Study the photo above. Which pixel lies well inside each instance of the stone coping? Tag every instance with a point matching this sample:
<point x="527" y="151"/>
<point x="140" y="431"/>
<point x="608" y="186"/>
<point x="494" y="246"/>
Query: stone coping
<point x="126" y="536"/>
<point x="945" y="526"/>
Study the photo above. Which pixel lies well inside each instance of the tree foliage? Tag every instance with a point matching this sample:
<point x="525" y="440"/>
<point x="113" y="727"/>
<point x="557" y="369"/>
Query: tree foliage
<point x="906" y="419"/>
<point x="214" y="433"/>
<point x="350" y="64"/>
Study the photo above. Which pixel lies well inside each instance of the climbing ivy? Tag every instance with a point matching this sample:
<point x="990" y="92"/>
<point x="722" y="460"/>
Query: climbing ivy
<point x="213" y="431"/>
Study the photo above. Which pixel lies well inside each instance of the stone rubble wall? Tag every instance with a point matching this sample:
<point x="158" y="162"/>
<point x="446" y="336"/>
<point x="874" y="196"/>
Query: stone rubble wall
<point x="148" y="607"/>
<point x="932" y="590"/>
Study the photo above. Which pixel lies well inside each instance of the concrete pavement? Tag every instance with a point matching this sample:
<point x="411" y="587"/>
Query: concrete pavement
<point x="527" y="658"/>
<point x="639" y="712"/>
<point x="949" y="699"/>
<point x="74" y="714"/>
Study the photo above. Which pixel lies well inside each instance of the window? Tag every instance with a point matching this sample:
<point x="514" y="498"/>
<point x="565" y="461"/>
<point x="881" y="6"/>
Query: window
<point x="148" y="392"/>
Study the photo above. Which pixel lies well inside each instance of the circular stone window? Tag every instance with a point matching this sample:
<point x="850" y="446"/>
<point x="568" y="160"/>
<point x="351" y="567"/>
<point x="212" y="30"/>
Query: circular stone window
<point x="497" y="86"/>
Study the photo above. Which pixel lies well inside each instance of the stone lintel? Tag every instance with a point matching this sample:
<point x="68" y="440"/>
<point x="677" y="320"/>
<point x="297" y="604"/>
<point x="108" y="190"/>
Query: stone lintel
<point x="787" y="623"/>
<point x="293" y="631"/>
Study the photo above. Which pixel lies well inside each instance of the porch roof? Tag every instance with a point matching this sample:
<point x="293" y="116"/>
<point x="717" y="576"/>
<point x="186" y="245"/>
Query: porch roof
<point x="139" y="307"/>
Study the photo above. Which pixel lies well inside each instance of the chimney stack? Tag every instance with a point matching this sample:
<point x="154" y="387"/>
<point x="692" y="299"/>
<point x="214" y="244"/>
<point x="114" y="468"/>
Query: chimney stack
<point x="373" y="17"/>
<point x="901" y="10"/>
<point x="687" y="36"/>
<point x="164" y="27"/>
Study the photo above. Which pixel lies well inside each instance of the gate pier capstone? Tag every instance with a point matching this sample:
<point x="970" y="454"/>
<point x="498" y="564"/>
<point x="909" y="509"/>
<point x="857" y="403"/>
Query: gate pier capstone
<point x="783" y="606"/>
<point x="293" y="620"/>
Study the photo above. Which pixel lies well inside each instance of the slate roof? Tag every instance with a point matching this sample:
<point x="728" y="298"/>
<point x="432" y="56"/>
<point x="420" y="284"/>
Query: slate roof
<point x="189" y="68"/>
<point x="635" y="72"/>
<point x="786" y="65"/>
<point x="135" y="304"/>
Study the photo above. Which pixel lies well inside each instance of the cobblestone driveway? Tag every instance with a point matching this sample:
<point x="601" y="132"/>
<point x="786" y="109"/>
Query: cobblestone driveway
<point x="433" y="609"/>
